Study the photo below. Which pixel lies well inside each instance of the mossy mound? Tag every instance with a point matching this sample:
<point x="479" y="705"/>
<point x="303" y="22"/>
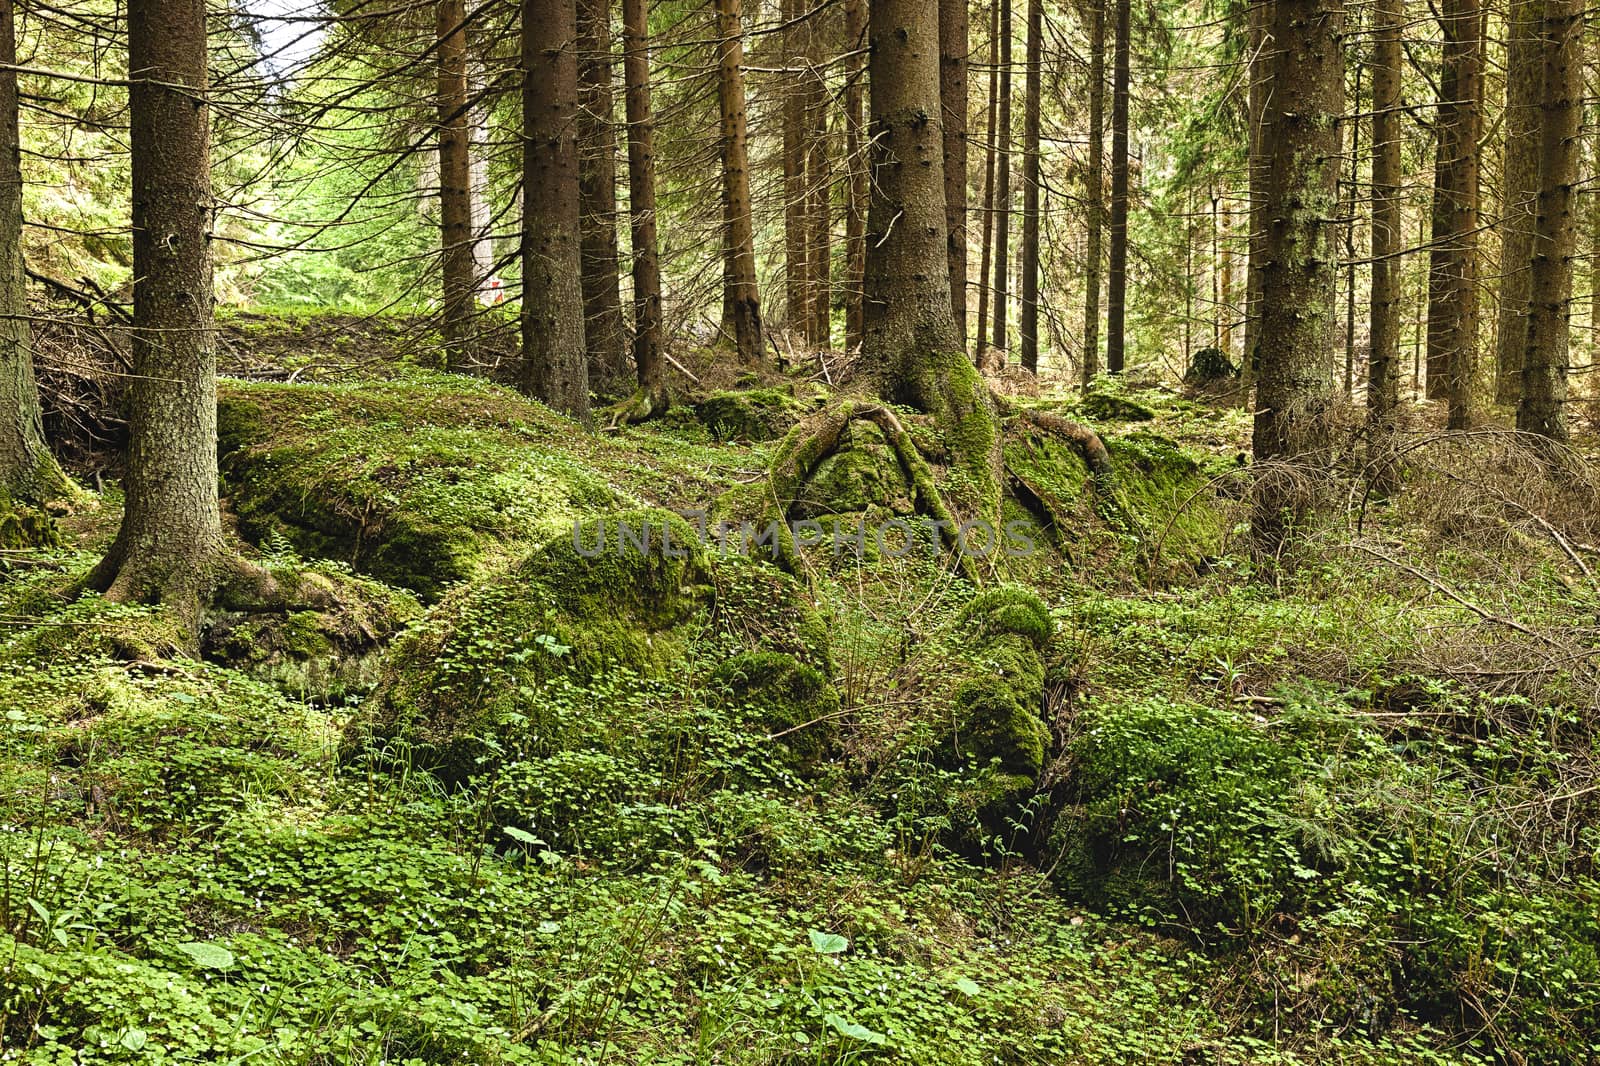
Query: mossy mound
<point x="1108" y="407"/>
<point x="863" y="475"/>
<point x="750" y="414"/>
<point x="628" y="592"/>
<point x="789" y="698"/>
<point x="999" y="725"/>
<point x="421" y="482"/>
<point x="23" y="527"/>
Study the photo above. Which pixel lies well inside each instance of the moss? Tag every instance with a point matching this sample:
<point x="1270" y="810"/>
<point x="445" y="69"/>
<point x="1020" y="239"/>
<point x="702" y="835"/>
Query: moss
<point x="24" y="527"/>
<point x="755" y="414"/>
<point x="793" y="701"/>
<point x="1002" y="634"/>
<point x="1164" y="499"/>
<point x="861" y="475"/>
<point x="1106" y="407"/>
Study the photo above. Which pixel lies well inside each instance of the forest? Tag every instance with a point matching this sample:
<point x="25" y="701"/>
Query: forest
<point x="806" y="532"/>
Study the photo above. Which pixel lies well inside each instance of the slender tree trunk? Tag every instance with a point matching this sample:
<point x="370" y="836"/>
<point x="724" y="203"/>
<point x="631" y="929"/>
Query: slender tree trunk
<point x="1002" y="200"/>
<point x="1259" y="26"/>
<point x="1594" y="213"/>
<point x="1519" y="184"/>
<point x="1094" y="191"/>
<point x="1225" y="283"/>
<point x="169" y="547"/>
<point x="987" y="220"/>
<point x="741" y="300"/>
<point x="554" y="364"/>
<point x="1545" y="357"/>
<point x="855" y="239"/>
<point x="1030" y="189"/>
<point x="28" y="472"/>
<point x="1299" y="279"/>
<point x="1453" y="268"/>
<point x="1348" y="212"/>
<point x="796" y="236"/>
<point x="482" y="211"/>
<point x="455" y="185"/>
<point x="1117" y="276"/>
<point x="912" y="343"/>
<point x="1383" y="366"/>
<point x="953" y="51"/>
<point x="819" y="185"/>
<point x="605" y="334"/>
<point x="647" y="341"/>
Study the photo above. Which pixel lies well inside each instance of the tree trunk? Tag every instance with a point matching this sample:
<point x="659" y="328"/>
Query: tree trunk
<point x="604" y="334"/>
<point x="987" y="219"/>
<point x="1296" y="390"/>
<point x="855" y="21"/>
<point x="819" y="183"/>
<point x="1519" y="190"/>
<point x="455" y="185"/>
<point x="741" y="300"/>
<point x="1002" y="198"/>
<point x="28" y="472"/>
<point x="796" y="236"/>
<point x="647" y="341"/>
<point x="953" y="50"/>
<point x="1453" y="265"/>
<point x="1117" y="275"/>
<point x="1383" y="366"/>
<point x="169" y="546"/>
<point x="912" y="343"/>
<point x="1094" y="190"/>
<point x="1348" y="212"/>
<point x="1030" y="189"/>
<point x="1258" y="164"/>
<point x="482" y="210"/>
<point x="554" y="365"/>
<point x="1545" y="356"/>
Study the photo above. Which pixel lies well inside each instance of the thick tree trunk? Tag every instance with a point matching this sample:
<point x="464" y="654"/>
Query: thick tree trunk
<point x="1519" y="185"/>
<point x="1094" y="189"/>
<point x="1545" y="356"/>
<point x="28" y="472"/>
<point x="1296" y="392"/>
<point x="796" y="226"/>
<point x="741" y="300"/>
<point x="1117" y="275"/>
<point x="1453" y="265"/>
<point x="953" y="50"/>
<point x="1001" y="295"/>
<point x="554" y="365"/>
<point x="647" y="341"/>
<point x="455" y="185"/>
<point x="1029" y="324"/>
<point x="1259" y="25"/>
<point x="855" y="240"/>
<point x="169" y="546"/>
<point x="604" y="333"/>
<point x="1383" y="366"/>
<point x="819" y="185"/>
<point x="912" y="343"/>
<point x="987" y="218"/>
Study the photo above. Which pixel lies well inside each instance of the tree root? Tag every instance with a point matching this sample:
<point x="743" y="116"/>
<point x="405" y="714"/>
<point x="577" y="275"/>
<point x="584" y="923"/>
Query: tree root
<point x="642" y="406"/>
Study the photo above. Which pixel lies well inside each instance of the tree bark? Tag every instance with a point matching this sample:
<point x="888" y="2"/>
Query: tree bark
<point x="647" y="340"/>
<point x="855" y="21"/>
<point x="1259" y="27"/>
<point x="1094" y="191"/>
<point x="1117" y="275"/>
<point x="169" y="547"/>
<point x="796" y="235"/>
<point x="819" y="185"/>
<point x="455" y="185"/>
<point x="1030" y="189"/>
<point x="987" y="219"/>
<point x="1383" y="366"/>
<point x="605" y="335"/>
<point x="28" y="472"/>
<point x="1519" y="190"/>
<point x="1545" y="356"/>
<point x="741" y="300"/>
<point x="953" y="51"/>
<point x="554" y="364"/>
<point x="912" y="343"/>
<point x="1453" y="263"/>
<point x="1296" y="391"/>
<point x="1002" y="199"/>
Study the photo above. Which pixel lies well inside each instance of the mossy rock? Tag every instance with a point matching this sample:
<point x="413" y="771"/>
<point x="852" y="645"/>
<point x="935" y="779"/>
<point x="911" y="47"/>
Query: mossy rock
<point x="863" y="475"/>
<point x="23" y="527"/>
<point x="998" y="715"/>
<point x="1106" y="407"/>
<point x="423" y="482"/>
<point x="791" y="699"/>
<point x="756" y="414"/>
<point x="1164" y="497"/>
<point x="760" y="606"/>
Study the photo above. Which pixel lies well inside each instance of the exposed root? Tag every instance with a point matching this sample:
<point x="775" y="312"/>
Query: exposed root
<point x="1086" y="440"/>
<point x="642" y="406"/>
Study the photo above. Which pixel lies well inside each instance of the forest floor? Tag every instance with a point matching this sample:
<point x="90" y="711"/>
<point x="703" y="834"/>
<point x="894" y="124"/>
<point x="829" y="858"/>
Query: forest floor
<point x="1339" y="811"/>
